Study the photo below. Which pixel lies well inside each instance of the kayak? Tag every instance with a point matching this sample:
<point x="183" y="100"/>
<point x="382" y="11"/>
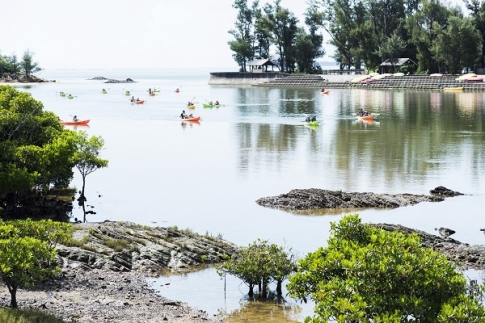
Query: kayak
<point x="127" y="94"/>
<point x="325" y="92"/>
<point x="313" y="124"/>
<point x="152" y="94"/>
<point x="453" y="89"/>
<point x="192" y="119"/>
<point x="63" y="94"/>
<point x="177" y="91"/>
<point x="76" y="123"/>
<point x="191" y="106"/>
<point x="105" y="92"/>
<point x="70" y="97"/>
<point x="370" y="117"/>
<point x="207" y="105"/>
<point x="156" y="90"/>
<point x="139" y="102"/>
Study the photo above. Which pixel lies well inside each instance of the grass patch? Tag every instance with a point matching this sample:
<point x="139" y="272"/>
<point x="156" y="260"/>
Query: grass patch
<point x="116" y="244"/>
<point x="9" y="315"/>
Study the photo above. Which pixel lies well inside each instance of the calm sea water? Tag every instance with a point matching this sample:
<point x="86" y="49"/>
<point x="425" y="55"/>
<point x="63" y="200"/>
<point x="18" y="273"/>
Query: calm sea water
<point x="207" y="176"/>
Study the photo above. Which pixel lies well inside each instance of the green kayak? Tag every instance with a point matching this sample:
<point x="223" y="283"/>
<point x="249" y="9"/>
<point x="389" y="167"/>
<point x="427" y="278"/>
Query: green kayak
<point x="313" y="124"/>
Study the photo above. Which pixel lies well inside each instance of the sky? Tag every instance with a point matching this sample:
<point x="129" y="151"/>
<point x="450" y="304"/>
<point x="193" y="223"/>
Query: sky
<point x="94" y="34"/>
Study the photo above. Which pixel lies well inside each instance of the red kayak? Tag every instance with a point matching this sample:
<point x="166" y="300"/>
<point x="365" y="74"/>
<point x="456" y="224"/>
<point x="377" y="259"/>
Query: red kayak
<point x="76" y="123"/>
<point x="370" y="117"/>
<point x="139" y="102"/>
<point x="192" y="119"/>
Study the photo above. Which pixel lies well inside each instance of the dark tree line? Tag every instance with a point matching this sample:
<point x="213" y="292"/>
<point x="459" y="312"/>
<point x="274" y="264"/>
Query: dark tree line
<point x="437" y="36"/>
<point x="12" y="65"/>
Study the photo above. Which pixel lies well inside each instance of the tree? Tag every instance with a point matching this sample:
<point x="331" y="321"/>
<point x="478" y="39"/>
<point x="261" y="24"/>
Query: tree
<point x="26" y="252"/>
<point x="35" y="149"/>
<point x="392" y="48"/>
<point x="458" y="45"/>
<point x="87" y="159"/>
<point x="281" y="26"/>
<point x="242" y="46"/>
<point x="367" y="274"/>
<point x="477" y="12"/>
<point x="27" y="65"/>
<point x="423" y="35"/>
<point x="259" y="264"/>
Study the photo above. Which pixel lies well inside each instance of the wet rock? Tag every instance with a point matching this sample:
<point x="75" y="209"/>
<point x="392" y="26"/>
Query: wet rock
<point x="128" y="80"/>
<point x="306" y="199"/>
<point x="99" y="78"/>
<point x="125" y="246"/>
<point x="461" y="254"/>
<point x="21" y="78"/>
<point x="441" y="190"/>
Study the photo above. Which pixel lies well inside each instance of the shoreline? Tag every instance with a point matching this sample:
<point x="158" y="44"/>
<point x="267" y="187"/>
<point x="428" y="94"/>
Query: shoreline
<point x="103" y="285"/>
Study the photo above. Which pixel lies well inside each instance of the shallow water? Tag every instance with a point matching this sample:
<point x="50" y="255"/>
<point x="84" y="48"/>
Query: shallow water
<point x="207" y="176"/>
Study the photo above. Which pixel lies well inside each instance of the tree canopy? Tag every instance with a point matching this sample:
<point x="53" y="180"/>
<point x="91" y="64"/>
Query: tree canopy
<point x="260" y="264"/>
<point x="436" y="35"/>
<point x="27" y="251"/>
<point x="36" y="152"/>
<point x="367" y="274"/>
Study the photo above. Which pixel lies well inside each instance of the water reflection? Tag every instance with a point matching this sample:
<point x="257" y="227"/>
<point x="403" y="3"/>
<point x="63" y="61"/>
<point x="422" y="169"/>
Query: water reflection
<point x="254" y="311"/>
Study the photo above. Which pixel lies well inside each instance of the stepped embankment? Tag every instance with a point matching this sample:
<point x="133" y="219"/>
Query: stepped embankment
<point x="343" y="81"/>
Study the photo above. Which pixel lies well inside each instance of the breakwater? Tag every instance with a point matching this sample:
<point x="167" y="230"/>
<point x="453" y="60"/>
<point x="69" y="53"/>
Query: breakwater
<point x="419" y="82"/>
<point x="279" y="80"/>
<point x="243" y="78"/>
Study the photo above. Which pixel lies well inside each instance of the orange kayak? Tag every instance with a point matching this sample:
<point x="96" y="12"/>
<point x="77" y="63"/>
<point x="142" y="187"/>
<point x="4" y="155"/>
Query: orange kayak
<point x="140" y="102"/>
<point x="192" y="119"/>
<point x="370" y="117"/>
<point x="152" y="94"/>
<point x="76" y="123"/>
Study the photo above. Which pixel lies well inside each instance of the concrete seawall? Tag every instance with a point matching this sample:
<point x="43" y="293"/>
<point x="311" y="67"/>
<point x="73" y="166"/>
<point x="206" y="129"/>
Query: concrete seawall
<point x="344" y="80"/>
<point x="240" y="78"/>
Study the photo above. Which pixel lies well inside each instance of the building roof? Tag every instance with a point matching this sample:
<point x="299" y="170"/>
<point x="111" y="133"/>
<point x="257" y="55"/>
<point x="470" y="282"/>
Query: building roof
<point x="260" y="62"/>
<point x="398" y="62"/>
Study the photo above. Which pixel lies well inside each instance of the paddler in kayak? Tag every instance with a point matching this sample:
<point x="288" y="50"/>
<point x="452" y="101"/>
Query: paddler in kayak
<point x="75" y="119"/>
<point x="183" y="115"/>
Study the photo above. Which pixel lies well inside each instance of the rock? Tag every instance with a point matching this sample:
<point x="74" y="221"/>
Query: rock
<point x="307" y="199"/>
<point x="125" y="246"/>
<point x="99" y="78"/>
<point x="21" y="78"/>
<point x="441" y="190"/>
<point x="128" y="80"/>
<point x="461" y="254"/>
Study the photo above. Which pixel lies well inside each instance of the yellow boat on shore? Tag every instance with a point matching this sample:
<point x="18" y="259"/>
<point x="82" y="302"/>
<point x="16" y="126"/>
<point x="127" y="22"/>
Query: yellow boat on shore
<point x="453" y="89"/>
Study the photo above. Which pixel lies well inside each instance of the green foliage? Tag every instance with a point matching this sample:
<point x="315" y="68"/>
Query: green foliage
<point x="392" y="48"/>
<point x="8" y="315"/>
<point x="367" y="274"/>
<point x="27" y="250"/>
<point x="458" y="45"/>
<point x="259" y="264"/>
<point x="35" y="149"/>
<point x="27" y="65"/>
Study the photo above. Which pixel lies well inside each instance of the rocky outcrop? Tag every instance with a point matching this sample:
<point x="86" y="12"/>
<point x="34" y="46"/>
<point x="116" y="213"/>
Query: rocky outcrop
<point x="461" y="254"/>
<point x="128" y="80"/>
<point x="313" y="198"/>
<point x="22" y="78"/>
<point x="99" y="78"/>
<point x="125" y="246"/>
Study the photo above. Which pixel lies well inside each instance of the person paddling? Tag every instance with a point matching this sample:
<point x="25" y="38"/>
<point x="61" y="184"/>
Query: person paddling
<point x="183" y="115"/>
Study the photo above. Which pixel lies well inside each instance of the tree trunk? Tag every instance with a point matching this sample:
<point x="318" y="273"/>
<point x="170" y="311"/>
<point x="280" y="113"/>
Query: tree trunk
<point x="251" y="291"/>
<point x="278" y="288"/>
<point x="13" y="295"/>
<point x="264" y="292"/>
